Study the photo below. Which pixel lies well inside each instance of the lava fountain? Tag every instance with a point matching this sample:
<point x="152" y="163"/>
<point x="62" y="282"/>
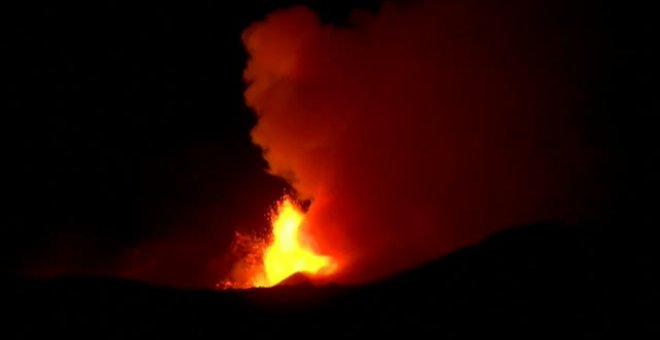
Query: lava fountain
<point x="289" y="250"/>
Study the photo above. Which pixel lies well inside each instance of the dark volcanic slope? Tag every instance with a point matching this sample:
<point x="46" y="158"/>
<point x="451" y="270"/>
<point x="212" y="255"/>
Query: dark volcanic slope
<point x="534" y="281"/>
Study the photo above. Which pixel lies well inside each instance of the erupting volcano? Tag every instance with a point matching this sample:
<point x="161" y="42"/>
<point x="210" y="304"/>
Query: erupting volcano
<point x="289" y="251"/>
<point x="414" y="131"/>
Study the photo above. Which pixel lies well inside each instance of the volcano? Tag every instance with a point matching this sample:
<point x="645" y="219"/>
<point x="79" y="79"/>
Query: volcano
<point x="535" y="280"/>
<point x="422" y="142"/>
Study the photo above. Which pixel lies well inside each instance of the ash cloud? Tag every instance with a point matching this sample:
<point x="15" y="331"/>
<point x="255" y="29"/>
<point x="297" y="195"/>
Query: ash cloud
<point x="421" y="128"/>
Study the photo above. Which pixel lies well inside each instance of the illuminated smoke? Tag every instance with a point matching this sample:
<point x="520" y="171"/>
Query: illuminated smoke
<point x="418" y="129"/>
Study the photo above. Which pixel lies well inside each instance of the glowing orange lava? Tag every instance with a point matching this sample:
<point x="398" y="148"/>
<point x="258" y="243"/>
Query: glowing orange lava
<point x="289" y="251"/>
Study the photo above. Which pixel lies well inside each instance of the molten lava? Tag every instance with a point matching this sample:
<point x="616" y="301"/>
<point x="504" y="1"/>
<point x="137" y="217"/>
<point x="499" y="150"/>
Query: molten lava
<point x="289" y="251"/>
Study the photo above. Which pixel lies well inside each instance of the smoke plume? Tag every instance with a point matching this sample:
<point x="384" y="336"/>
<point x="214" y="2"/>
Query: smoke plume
<point x="421" y="128"/>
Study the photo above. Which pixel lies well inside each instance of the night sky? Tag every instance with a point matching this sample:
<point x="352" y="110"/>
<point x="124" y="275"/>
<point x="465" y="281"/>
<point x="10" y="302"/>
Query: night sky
<point x="125" y="128"/>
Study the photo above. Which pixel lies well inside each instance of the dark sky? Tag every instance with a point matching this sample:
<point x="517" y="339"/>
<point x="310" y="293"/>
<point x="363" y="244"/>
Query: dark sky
<point x="124" y="126"/>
